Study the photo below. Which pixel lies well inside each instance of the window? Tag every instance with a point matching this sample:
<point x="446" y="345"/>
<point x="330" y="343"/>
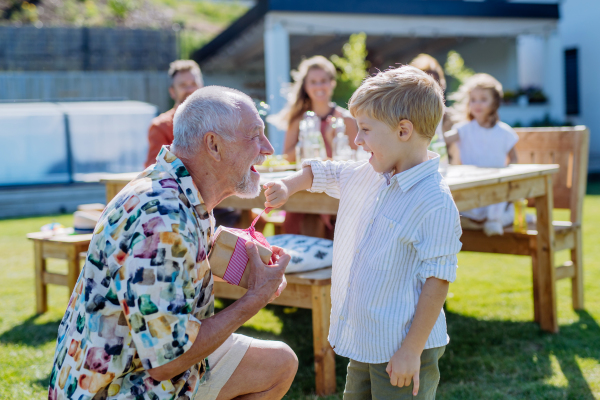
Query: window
<point x="572" y="81"/>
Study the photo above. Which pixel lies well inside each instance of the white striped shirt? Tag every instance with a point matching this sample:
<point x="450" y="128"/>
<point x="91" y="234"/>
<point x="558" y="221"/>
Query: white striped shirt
<point x="391" y="234"/>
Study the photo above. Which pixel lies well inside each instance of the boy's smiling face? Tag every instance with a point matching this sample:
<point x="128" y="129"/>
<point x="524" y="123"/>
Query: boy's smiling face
<point x="391" y="149"/>
<point x="378" y="139"/>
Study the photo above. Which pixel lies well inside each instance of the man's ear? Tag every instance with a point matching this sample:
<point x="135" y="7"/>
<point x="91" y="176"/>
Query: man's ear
<point x="405" y="130"/>
<point x="213" y="143"/>
<point x="172" y="93"/>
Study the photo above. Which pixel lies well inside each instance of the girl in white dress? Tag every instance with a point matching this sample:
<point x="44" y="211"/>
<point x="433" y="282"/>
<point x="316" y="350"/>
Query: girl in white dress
<point x="484" y="141"/>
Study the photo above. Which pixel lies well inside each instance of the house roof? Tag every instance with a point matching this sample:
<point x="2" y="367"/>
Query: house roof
<point x="448" y="8"/>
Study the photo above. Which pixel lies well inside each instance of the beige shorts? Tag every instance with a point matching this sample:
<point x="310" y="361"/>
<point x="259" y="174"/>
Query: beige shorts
<point x="221" y="365"/>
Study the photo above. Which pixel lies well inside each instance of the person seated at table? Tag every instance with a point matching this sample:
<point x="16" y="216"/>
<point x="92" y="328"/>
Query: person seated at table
<point x="186" y="78"/>
<point x="484" y="141"/>
<point x="396" y="240"/>
<point x="432" y="67"/>
<point x="314" y="82"/>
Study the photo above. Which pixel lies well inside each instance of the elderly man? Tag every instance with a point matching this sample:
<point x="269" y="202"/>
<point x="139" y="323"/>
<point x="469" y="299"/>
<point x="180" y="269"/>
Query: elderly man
<point x="140" y="323"/>
<point x="186" y="78"/>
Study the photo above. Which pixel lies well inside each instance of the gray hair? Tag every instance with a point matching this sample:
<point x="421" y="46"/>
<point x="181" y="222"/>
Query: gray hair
<point x="209" y="109"/>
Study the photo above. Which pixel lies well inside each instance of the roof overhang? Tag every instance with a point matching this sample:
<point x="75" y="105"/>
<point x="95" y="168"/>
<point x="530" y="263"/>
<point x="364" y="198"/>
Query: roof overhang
<point x="386" y="18"/>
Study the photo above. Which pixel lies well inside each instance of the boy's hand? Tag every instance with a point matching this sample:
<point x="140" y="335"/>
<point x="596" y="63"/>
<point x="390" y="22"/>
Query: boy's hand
<point x="404" y="367"/>
<point x="277" y="193"/>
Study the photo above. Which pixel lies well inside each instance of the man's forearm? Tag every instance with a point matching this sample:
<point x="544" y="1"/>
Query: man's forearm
<point x="301" y="180"/>
<point x="430" y="303"/>
<point x="213" y="332"/>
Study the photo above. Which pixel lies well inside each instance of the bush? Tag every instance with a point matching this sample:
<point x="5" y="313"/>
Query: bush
<point x="352" y="68"/>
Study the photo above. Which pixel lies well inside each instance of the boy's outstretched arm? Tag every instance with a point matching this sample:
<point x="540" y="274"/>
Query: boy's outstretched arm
<point x="278" y="193"/>
<point x="406" y="363"/>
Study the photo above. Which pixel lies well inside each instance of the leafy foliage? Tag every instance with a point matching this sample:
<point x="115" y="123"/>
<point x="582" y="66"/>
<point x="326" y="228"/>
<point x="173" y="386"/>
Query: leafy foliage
<point x="352" y="67"/>
<point x="455" y="68"/>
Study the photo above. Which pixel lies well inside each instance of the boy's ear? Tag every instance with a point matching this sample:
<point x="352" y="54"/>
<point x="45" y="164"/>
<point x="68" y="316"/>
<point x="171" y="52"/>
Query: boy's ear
<point x="213" y="143"/>
<point x="405" y="130"/>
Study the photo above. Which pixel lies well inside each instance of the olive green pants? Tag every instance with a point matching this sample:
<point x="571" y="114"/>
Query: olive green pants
<point x="371" y="381"/>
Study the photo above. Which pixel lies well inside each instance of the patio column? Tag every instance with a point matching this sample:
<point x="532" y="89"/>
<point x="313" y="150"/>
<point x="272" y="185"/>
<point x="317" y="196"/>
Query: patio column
<point x="277" y="71"/>
<point x="554" y="75"/>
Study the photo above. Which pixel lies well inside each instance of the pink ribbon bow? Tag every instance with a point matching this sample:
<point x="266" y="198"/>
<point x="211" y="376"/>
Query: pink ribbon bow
<point x="239" y="259"/>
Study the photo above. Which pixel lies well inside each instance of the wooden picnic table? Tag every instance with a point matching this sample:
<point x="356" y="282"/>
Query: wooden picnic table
<point x="471" y="187"/>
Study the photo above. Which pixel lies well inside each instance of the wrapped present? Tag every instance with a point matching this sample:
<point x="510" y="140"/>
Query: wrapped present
<point x="228" y="257"/>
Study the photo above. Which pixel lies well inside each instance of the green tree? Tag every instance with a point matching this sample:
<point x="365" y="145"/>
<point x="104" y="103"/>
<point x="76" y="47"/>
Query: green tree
<point x="352" y="67"/>
<point x="455" y="68"/>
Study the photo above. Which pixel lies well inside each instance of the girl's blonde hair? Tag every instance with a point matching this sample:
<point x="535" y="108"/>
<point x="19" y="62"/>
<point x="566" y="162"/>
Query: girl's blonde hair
<point x="478" y="81"/>
<point x="298" y="100"/>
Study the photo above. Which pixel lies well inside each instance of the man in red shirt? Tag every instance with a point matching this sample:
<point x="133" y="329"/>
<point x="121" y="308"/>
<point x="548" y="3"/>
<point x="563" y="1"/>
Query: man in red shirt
<point x="186" y="78"/>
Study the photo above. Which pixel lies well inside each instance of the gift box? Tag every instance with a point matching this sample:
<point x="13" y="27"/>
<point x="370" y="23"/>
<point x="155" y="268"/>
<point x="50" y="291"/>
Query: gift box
<point x="228" y="258"/>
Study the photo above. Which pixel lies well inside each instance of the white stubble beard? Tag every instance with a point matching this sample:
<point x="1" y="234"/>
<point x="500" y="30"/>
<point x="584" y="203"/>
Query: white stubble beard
<point x="246" y="188"/>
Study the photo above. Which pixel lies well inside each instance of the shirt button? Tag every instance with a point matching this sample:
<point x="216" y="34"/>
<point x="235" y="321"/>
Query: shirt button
<point x="357" y="251"/>
<point x="391" y="225"/>
<point x="371" y="221"/>
<point x="341" y="317"/>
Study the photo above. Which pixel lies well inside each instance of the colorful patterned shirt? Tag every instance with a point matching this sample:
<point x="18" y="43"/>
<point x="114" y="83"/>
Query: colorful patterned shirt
<point x="145" y="287"/>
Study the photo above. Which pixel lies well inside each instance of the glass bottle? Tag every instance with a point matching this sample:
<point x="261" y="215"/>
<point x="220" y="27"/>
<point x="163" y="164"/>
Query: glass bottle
<point x="438" y="145"/>
<point x="520" y="222"/>
<point x="340" y="147"/>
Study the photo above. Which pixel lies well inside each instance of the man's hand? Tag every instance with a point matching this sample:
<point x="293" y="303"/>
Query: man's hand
<point x="277" y="194"/>
<point x="404" y="367"/>
<point x="266" y="281"/>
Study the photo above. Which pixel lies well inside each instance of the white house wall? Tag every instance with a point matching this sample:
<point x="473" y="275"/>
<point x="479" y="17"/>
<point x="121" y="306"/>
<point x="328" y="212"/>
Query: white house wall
<point x="580" y="28"/>
<point x="495" y="56"/>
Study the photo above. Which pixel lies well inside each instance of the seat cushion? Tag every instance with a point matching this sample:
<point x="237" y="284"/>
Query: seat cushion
<point x="308" y="253"/>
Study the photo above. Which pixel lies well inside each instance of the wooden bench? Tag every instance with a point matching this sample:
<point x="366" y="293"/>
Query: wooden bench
<point x="304" y="290"/>
<point x="567" y="147"/>
<point x="63" y="246"/>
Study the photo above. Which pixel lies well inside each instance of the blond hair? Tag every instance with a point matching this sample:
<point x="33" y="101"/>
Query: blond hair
<point x="401" y="93"/>
<point x="185" y="65"/>
<point x="430" y="66"/>
<point x="478" y="81"/>
<point x="298" y="100"/>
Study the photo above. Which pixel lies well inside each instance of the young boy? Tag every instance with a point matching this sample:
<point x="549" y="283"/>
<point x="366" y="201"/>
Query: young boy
<point x="396" y="239"/>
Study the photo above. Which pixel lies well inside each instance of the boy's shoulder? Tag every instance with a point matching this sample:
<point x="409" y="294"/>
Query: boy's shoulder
<point x="434" y="193"/>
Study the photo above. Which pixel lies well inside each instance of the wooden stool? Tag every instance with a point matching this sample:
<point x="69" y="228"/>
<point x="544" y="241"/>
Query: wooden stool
<point x="63" y="246"/>
<point x="304" y="290"/>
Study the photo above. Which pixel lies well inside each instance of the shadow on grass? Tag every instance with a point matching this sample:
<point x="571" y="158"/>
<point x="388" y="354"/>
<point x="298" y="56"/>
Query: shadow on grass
<point x="516" y="359"/>
<point x="485" y="359"/>
<point x="29" y="333"/>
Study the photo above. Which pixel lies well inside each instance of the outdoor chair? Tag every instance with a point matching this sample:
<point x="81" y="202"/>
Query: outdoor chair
<point x="567" y="147"/>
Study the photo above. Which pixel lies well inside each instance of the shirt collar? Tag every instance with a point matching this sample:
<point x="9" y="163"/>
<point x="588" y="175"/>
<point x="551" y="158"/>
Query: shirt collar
<point x="412" y="176"/>
<point x="174" y="166"/>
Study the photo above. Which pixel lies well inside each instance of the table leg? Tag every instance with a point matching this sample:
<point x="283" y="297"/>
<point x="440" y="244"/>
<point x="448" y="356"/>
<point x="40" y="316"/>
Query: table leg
<point x="41" y="293"/>
<point x="73" y="269"/>
<point x="535" y="283"/>
<point x="545" y="260"/>
<point x="324" y="355"/>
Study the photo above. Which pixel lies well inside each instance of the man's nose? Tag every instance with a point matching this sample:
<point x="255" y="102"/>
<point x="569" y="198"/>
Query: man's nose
<point x="266" y="147"/>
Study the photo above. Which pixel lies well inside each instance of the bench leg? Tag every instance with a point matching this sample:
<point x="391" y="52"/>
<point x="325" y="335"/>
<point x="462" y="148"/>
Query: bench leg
<point x="545" y="260"/>
<point x="577" y="281"/>
<point x="41" y="294"/>
<point x="324" y="355"/>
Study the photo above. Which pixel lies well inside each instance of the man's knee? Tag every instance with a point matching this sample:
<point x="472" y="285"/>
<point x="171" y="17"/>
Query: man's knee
<point x="288" y="361"/>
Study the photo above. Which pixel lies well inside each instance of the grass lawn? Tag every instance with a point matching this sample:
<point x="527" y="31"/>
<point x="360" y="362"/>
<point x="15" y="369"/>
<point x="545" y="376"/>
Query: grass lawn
<point x="496" y="352"/>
